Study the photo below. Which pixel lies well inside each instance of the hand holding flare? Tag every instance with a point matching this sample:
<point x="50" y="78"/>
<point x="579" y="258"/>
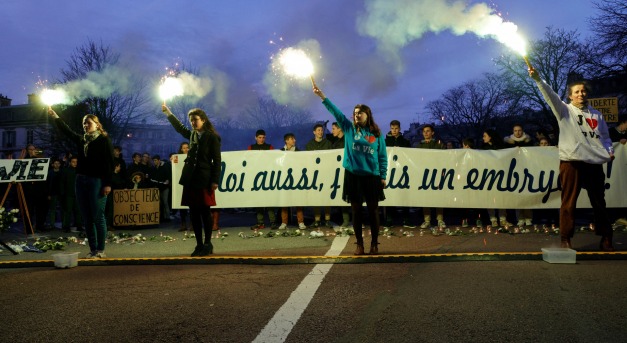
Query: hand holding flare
<point x="317" y="90"/>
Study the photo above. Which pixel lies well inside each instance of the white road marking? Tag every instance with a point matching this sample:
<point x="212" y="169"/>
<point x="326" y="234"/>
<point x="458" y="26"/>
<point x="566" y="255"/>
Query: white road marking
<point x="280" y="326"/>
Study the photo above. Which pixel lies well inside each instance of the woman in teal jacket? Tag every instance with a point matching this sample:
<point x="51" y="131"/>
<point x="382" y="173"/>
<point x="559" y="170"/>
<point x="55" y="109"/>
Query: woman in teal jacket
<point x="365" y="163"/>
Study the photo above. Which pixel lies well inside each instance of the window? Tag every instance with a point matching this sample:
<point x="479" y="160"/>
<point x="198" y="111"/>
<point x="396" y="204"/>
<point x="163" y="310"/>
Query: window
<point x="8" y="139"/>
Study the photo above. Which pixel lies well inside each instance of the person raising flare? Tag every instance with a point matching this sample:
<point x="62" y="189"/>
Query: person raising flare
<point x="365" y="167"/>
<point x="584" y="146"/>
<point x="200" y="174"/>
<point x="93" y="177"/>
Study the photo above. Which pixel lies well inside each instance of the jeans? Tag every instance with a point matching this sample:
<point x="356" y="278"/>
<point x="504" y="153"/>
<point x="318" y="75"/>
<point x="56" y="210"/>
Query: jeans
<point x="92" y="204"/>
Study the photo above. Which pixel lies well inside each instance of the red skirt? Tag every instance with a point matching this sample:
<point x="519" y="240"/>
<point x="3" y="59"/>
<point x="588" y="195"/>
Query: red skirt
<point x="198" y="197"/>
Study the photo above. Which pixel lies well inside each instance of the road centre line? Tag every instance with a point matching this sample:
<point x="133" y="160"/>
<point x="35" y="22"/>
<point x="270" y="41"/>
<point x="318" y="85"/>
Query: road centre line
<point x="283" y="321"/>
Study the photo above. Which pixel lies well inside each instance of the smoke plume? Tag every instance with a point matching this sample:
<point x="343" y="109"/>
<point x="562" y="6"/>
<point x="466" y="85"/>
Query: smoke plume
<point x="397" y="23"/>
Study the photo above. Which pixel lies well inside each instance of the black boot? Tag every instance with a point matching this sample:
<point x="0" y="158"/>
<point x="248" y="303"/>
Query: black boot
<point x="207" y="249"/>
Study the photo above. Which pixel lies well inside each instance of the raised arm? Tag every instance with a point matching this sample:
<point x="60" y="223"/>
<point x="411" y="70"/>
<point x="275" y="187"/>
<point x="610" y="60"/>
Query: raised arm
<point x="178" y="126"/>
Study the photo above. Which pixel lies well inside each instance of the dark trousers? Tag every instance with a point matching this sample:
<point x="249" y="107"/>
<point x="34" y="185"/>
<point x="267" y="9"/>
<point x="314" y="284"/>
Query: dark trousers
<point x="575" y="175"/>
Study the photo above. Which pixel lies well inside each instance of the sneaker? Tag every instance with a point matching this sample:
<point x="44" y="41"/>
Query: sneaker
<point x="328" y="224"/>
<point x="258" y="227"/>
<point x="283" y="226"/>
<point x="528" y="222"/>
<point x="425" y="225"/>
<point x="465" y="223"/>
<point x="441" y="223"/>
<point x="521" y="222"/>
<point x="273" y="226"/>
<point x="302" y="226"/>
<point x="101" y="254"/>
<point x="494" y="223"/>
<point x="315" y="225"/>
<point x="506" y="223"/>
<point x="345" y="225"/>
<point x="92" y="255"/>
<point x="408" y="224"/>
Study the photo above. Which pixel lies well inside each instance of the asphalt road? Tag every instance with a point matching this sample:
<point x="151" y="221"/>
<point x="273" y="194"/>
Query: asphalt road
<point x="498" y="301"/>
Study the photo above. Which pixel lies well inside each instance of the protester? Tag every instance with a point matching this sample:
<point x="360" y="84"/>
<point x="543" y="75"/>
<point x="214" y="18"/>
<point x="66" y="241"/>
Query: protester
<point x="394" y="138"/>
<point x="260" y="144"/>
<point x="517" y="138"/>
<point x="200" y="175"/>
<point x="93" y="177"/>
<point x="68" y="197"/>
<point x="338" y="143"/>
<point x="584" y="146"/>
<point x="319" y="142"/>
<point x="365" y="167"/>
<point x="54" y="191"/>
<point x="160" y="177"/>
<point x="429" y="142"/>
<point x="290" y="145"/>
<point x="492" y="141"/>
<point x="619" y="132"/>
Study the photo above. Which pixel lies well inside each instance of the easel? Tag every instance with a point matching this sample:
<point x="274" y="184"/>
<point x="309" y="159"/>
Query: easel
<point x="21" y="199"/>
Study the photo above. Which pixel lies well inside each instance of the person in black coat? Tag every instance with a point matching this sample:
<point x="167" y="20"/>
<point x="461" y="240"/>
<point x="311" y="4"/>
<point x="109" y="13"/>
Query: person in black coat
<point x="200" y="175"/>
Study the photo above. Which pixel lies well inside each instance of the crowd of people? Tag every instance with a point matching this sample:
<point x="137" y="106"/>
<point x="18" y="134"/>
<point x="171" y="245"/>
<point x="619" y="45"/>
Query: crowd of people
<point x="77" y="185"/>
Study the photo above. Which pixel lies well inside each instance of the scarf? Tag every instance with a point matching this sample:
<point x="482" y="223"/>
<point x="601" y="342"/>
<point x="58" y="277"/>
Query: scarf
<point x="89" y="137"/>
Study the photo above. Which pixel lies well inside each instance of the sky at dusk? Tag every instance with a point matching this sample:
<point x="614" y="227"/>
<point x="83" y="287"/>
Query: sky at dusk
<point x="356" y="57"/>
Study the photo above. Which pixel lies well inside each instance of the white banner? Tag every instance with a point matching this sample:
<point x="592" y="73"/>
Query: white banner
<point x="32" y="169"/>
<point x="462" y="178"/>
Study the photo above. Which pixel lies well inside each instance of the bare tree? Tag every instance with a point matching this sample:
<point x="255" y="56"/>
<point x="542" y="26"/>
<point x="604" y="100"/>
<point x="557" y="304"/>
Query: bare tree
<point x="611" y="27"/>
<point x="558" y="57"/>
<point x="269" y="113"/>
<point x="116" y="98"/>
<point x="469" y="109"/>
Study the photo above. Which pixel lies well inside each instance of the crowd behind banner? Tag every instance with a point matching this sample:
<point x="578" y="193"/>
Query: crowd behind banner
<point x="525" y="177"/>
<point x="510" y="178"/>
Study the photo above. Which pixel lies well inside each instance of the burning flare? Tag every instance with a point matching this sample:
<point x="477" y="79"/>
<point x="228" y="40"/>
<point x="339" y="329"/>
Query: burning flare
<point x="53" y="96"/>
<point x="170" y="88"/>
<point x="296" y="63"/>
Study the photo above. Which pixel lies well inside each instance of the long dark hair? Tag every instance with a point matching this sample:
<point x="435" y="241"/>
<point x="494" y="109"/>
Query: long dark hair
<point x="207" y="126"/>
<point x="181" y="147"/>
<point x="372" y="126"/>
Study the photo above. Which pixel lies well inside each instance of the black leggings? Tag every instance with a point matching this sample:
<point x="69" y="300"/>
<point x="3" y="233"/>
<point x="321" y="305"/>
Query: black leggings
<point x="358" y="220"/>
<point x="201" y="217"/>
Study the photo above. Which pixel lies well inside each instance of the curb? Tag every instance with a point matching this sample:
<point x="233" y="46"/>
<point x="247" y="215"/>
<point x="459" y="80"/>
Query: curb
<point x="281" y="260"/>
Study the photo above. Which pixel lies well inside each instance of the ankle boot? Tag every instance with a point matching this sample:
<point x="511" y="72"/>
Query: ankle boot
<point x="360" y="249"/>
<point x="374" y="248"/>
<point x="207" y="249"/>
<point x="606" y="244"/>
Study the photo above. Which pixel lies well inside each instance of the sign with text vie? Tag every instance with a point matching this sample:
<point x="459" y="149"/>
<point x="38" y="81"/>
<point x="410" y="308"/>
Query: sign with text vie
<point x="23" y="170"/>
<point x="135" y="207"/>
<point x="458" y="178"/>
<point x="607" y="106"/>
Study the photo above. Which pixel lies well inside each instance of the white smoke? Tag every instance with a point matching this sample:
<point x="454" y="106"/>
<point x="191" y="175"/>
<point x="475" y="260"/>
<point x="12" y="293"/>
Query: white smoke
<point x="195" y="86"/>
<point x="289" y="90"/>
<point x="100" y="84"/>
<point x="396" y="23"/>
